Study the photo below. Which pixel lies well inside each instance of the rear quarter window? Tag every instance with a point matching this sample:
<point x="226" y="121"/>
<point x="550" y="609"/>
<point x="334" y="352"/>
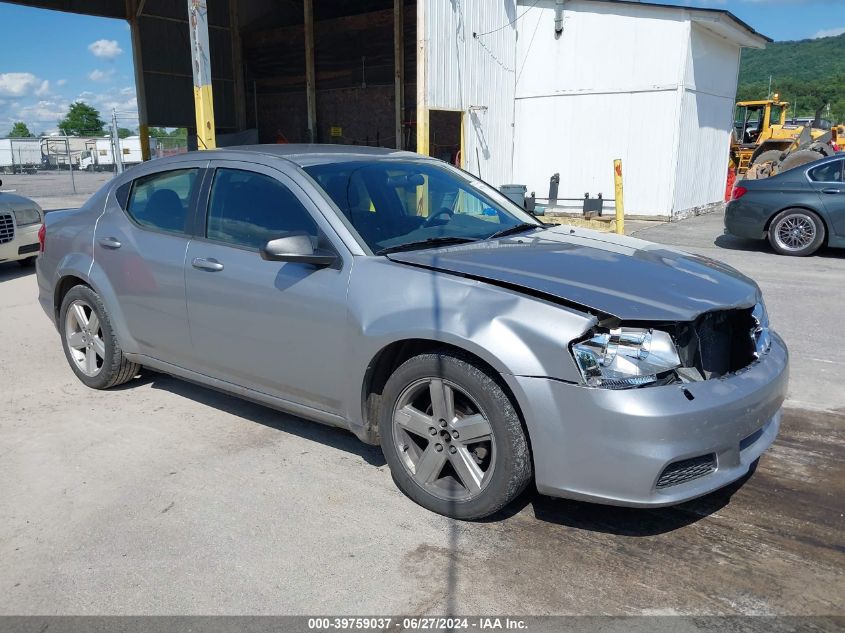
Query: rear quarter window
<point x="160" y="201"/>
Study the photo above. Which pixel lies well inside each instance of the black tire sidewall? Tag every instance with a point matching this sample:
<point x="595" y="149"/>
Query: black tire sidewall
<point x="111" y="363"/>
<point x="808" y="250"/>
<point x="513" y="468"/>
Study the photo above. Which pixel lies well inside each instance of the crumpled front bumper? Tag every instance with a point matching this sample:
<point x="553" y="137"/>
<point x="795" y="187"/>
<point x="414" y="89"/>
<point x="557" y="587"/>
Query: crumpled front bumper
<point x="612" y="446"/>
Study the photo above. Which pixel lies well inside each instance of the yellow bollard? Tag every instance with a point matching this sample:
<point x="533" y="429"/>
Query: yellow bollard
<point x="618" y="196"/>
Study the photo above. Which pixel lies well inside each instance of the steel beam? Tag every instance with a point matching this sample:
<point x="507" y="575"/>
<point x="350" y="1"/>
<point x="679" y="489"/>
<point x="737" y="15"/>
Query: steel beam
<point x="201" y="63"/>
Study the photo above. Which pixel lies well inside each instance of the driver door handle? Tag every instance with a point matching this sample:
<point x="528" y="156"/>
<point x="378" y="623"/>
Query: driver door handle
<point x="831" y="190"/>
<point x="209" y="264"/>
<point x="109" y="242"/>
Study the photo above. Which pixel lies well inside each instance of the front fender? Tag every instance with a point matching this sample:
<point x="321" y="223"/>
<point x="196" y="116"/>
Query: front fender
<point x="514" y="333"/>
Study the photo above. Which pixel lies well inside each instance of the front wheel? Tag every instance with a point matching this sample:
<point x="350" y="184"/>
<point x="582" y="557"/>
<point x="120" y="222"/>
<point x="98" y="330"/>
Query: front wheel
<point x="796" y="232"/>
<point x="89" y="341"/>
<point x="452" y="437"/>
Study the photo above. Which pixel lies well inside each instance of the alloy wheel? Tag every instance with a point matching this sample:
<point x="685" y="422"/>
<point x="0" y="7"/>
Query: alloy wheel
<point x="444" y="439"/>
<point x="795" y="232"/>
<point x="84" y="337"/>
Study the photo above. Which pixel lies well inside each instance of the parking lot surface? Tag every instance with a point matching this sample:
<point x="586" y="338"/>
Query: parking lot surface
<point x="162" y="497"/>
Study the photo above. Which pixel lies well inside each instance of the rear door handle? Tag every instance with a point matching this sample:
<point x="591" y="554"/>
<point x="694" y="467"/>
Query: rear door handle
<point x="209" y="264"/>
<point x="109" y="242"/>
<point x="830" y="190"/>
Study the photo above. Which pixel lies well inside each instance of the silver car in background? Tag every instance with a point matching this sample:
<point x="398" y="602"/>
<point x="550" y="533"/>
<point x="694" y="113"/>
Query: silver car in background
<point x="405" y="300"/>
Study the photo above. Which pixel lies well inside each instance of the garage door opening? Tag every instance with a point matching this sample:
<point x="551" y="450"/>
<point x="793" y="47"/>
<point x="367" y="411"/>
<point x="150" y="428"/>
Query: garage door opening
<point x="445" y="141"/>
<point x="363" y="73"/>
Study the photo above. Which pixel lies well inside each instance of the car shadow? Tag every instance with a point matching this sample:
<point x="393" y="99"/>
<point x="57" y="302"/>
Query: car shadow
<point x="616" y="520"/>
<point x="733" y="243"/>
<point x="12" y="270"/>
<point x="260" y="414"/>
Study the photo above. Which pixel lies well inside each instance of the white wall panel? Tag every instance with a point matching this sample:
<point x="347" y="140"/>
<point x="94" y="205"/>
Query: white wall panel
<point x="579" y="136"/>
<point x="476" y="76"/>
<point x="703" y="147"/>
<point x="605" y="47"/>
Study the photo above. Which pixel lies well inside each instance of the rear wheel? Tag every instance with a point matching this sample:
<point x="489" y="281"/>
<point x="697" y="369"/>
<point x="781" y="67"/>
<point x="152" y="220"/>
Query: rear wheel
<point x="801" y="157"/>
<point x="89" y="342"/>
<point x="796" y="232"/>
<point x="452" y="437"/>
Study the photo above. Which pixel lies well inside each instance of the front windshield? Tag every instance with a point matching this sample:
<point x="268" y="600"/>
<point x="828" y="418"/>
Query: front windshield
<point x="398" y="203"/>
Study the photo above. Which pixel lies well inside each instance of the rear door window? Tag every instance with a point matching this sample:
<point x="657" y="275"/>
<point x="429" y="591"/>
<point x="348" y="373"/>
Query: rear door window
<point x="160" y="201"/>
<point x="830" y="172"/>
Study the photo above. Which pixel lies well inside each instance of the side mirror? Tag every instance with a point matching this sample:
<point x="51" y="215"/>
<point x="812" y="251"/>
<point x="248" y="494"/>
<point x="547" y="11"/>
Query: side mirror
<point x="1" y="183"/>
<point x="296" y="248"/>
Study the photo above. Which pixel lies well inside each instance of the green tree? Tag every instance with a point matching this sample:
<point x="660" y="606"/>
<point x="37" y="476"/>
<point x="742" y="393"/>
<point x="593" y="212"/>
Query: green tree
<point x="19" y="130"/>
<point x="179" y="132"/>
<point x="156" y="132"/>
<point x="123" y="132"/>
<point x="82" y="120"/>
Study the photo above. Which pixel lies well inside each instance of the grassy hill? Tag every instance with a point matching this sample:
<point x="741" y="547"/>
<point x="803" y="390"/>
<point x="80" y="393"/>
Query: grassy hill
<point x="813" y="71"/>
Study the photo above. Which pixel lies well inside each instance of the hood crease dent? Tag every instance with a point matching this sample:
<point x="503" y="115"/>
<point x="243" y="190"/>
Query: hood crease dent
<point x="624" y="277"/>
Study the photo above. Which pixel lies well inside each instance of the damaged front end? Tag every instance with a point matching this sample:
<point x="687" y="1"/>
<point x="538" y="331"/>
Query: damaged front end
<point x="717" y="343"/>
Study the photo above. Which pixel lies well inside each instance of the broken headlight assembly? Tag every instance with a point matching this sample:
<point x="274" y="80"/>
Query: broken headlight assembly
<point x="761" y="336"/>
<point x="625" y="357"/>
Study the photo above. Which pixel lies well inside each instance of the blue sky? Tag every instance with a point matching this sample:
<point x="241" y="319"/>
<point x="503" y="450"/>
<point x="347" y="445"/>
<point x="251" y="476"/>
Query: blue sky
<point x="49" y="59"/>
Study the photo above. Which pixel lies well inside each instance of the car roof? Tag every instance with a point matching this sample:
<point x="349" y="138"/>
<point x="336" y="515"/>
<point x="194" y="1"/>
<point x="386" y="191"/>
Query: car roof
<point x="306" y="155"/>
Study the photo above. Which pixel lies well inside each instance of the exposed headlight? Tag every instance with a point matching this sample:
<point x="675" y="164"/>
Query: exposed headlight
<point x="760" y="334"/>
<point x="23" y="217"/>
<point x="625" y="357"/>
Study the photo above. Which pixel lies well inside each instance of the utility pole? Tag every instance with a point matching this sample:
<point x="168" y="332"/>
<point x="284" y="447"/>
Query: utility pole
<point x="203" y="101"/>
<point x="115" y="142"/>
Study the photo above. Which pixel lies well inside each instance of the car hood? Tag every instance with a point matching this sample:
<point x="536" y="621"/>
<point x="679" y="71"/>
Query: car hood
<point x="12" y="202"/>
<point x="620" y="276"/>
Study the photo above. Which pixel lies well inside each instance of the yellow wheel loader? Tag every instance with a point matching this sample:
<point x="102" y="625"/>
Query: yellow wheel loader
<point x="764" y="144"/>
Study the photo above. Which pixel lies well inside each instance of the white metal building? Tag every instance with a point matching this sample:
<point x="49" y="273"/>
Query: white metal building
<point x="651" y="84"/>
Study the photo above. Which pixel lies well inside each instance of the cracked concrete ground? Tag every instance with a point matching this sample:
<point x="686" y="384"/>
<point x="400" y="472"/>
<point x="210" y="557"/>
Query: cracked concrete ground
<point x="167" y="498"/>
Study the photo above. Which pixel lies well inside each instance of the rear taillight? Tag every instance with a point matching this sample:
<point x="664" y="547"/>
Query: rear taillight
<point x="42" y="238"/>
<point x="738" y="192"/>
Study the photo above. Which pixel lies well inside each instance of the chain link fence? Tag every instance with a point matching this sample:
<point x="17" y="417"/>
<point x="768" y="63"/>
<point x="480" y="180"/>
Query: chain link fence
<point x="63" y="171"/>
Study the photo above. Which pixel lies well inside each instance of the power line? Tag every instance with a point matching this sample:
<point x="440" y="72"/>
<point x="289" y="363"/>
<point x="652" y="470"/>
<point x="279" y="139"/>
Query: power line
<point x="511" y="23"/>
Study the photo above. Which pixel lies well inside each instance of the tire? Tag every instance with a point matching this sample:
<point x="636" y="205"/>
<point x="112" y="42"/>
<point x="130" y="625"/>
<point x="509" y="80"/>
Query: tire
<point x="482" y="442"/>
<point x="801" y="157"/>
<point x="110" y="367"/>
<point x="796" y="232"/>
<point x="769" y="156"/>
<point x="28" y="262"/>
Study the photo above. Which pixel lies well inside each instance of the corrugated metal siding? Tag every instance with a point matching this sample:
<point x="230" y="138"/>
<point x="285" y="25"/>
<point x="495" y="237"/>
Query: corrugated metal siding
<point x="464" y="71"/>
<point x="705" y="121"/>
<point x="606" y="89"/>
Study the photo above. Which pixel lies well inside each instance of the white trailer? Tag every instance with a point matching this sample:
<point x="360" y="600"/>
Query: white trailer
<point x="99" y="154"/>
<point x="19" y="155"/>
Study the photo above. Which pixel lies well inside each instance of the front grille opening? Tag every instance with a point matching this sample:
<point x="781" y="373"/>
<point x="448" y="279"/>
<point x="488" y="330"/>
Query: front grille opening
<point x="717" y="343"/>
<point x="7" y="228"/>
<point x="686" y="470"/>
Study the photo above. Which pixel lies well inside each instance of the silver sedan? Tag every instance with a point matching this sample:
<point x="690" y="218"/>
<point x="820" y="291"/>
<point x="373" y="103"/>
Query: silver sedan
<point x="407" y="301"/>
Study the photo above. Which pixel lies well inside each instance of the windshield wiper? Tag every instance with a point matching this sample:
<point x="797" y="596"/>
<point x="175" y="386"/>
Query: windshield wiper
<point x="431" y="242"/>
<point x="516" y="228"/>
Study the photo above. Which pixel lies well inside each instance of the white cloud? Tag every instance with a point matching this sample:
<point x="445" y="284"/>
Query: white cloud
<point x="61" y="82"/>
<point x="43" y="89"/>
<point x="19" y="84"/>
<point x="100" y="75"/>
<point x="107" y="49"/>
<point x="829" y="32"/>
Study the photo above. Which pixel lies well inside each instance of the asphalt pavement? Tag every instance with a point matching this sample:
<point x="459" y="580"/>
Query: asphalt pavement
<point x="161" y="497"/>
